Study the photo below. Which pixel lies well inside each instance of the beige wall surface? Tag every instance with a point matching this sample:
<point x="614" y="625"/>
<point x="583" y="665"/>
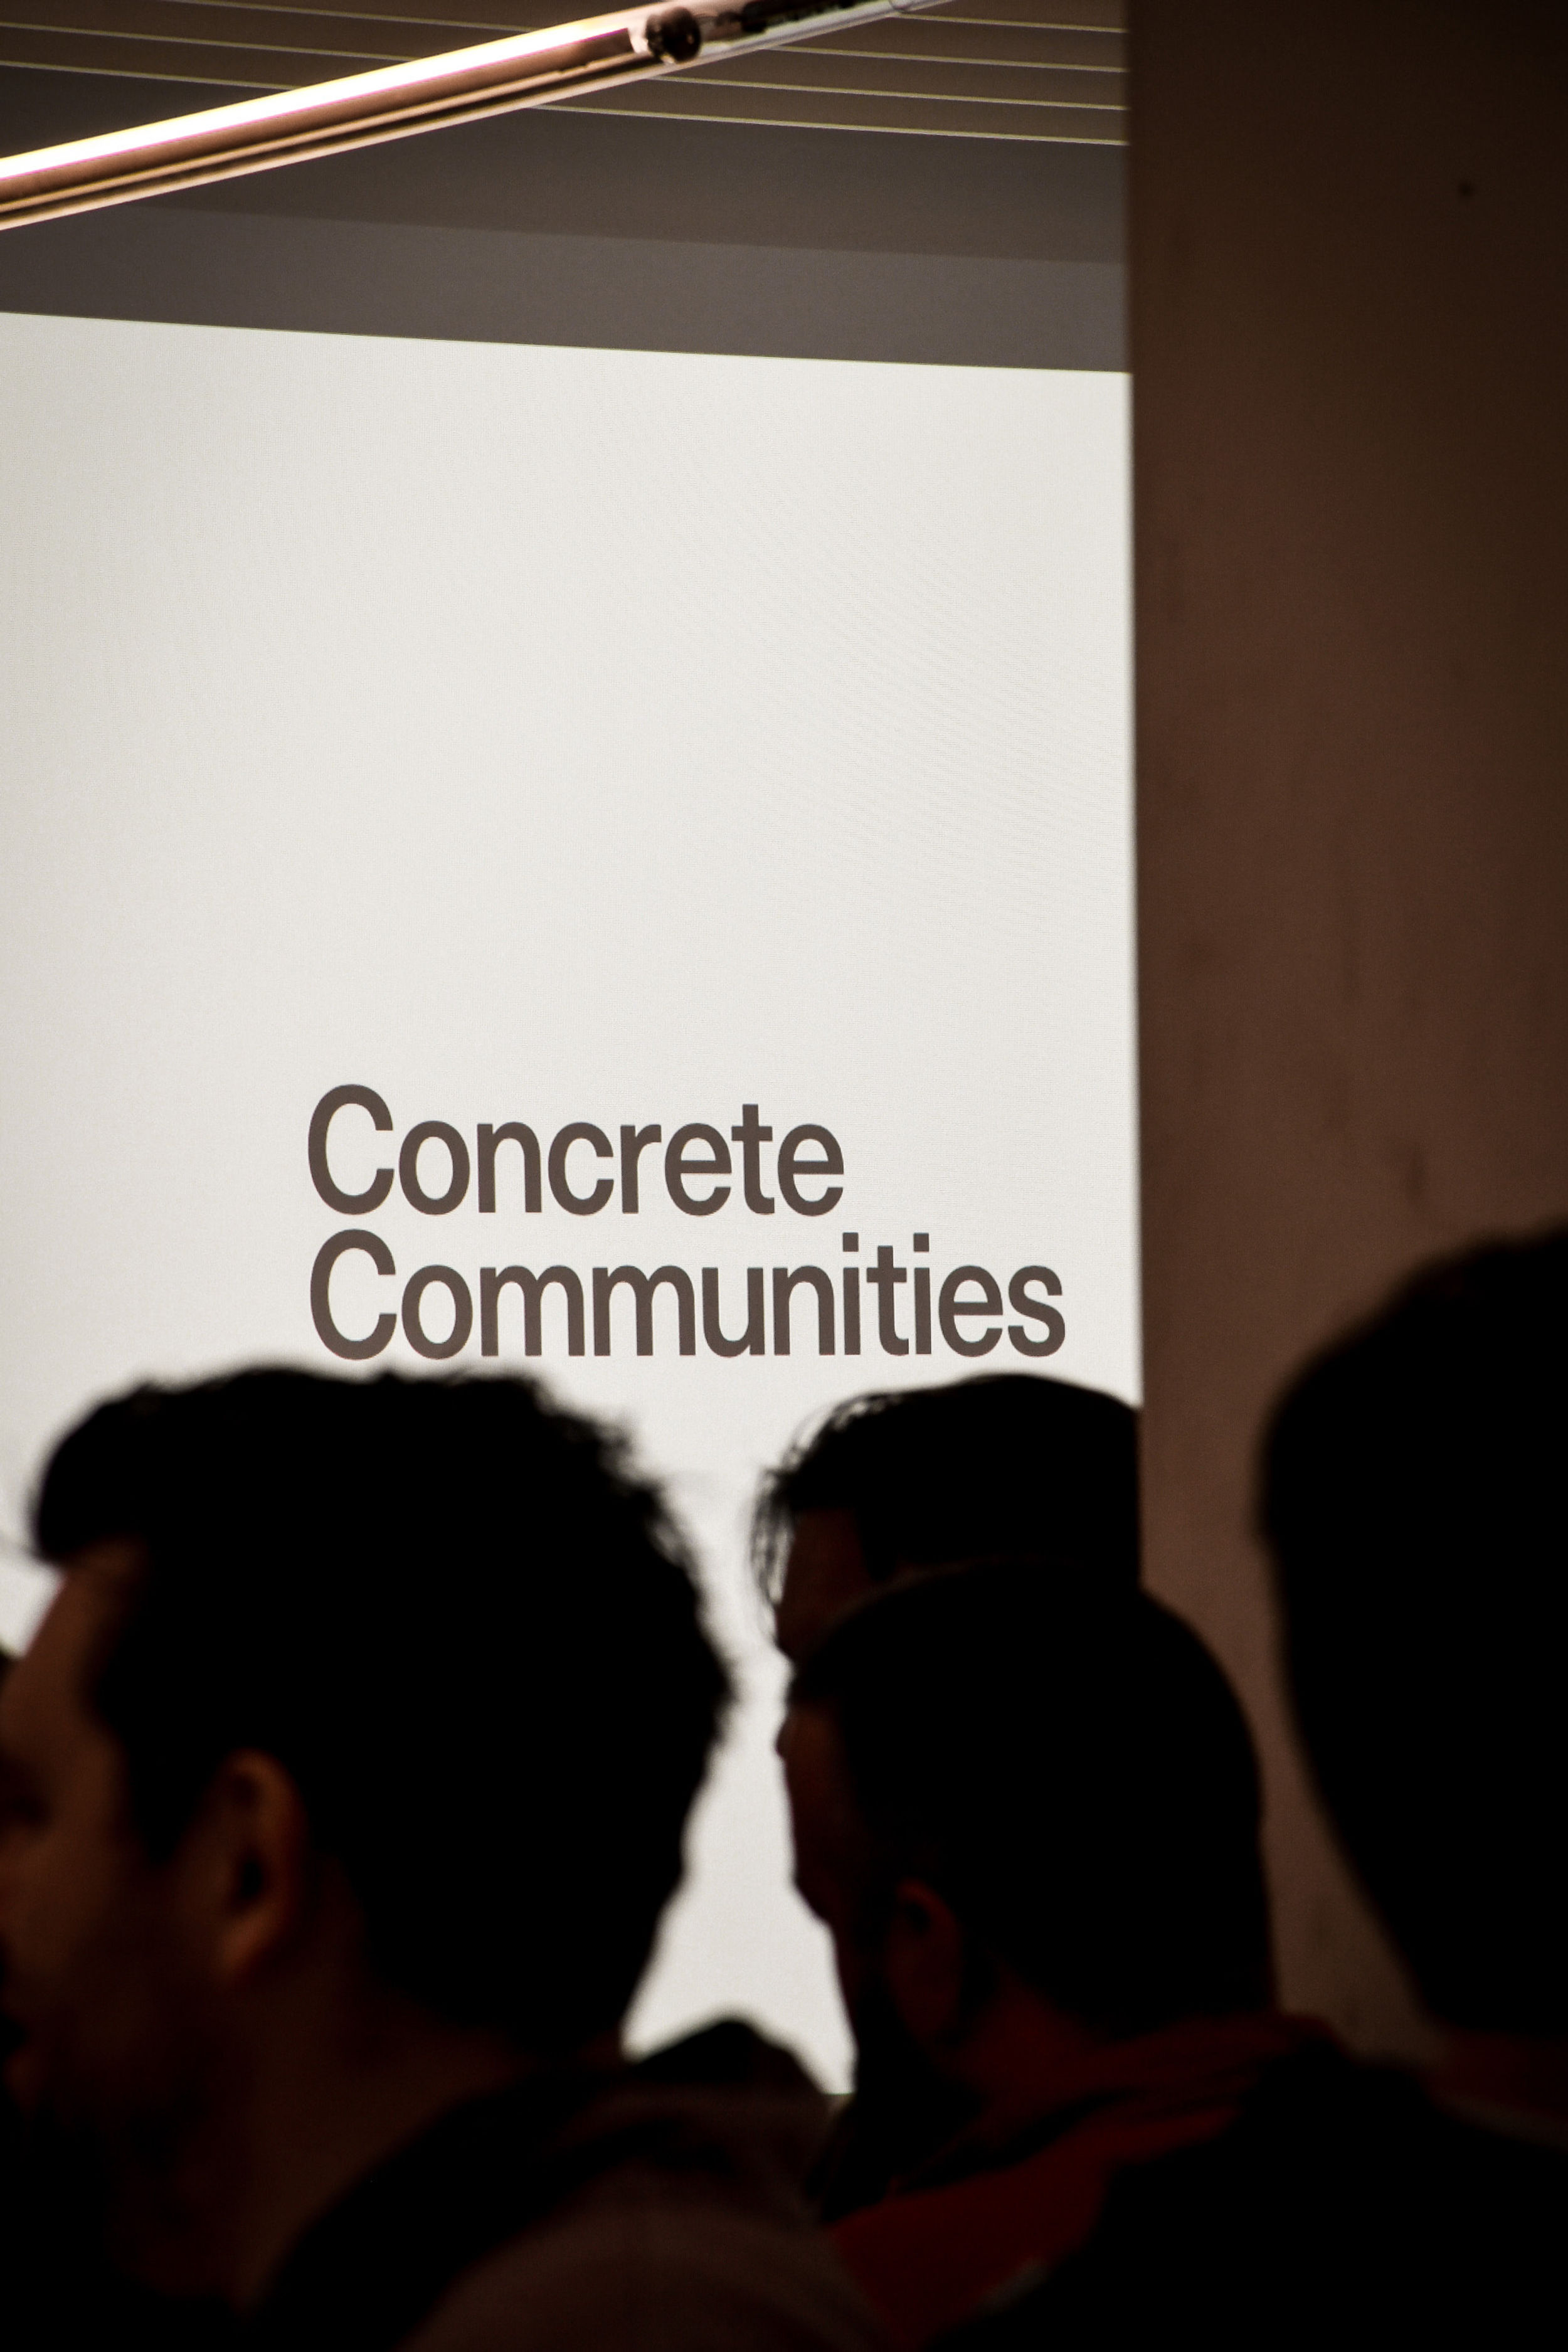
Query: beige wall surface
<point x="1350" y="347"/>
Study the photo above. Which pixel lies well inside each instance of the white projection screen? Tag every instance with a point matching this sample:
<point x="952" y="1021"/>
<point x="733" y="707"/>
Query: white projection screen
<point x="712" y="761"/>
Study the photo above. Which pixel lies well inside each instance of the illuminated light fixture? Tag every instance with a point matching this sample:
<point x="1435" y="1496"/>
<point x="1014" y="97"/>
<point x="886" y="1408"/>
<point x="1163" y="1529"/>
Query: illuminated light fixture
<point x="394" y="101"/>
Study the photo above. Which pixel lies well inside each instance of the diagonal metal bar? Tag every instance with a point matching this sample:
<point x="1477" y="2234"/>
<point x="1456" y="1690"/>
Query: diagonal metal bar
<point x="394" y="101"/>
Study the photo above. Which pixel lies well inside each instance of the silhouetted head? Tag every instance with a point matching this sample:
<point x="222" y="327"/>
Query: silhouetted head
<point x="1416" y="1499"/>
<point x="1005" y="1463"/>
<point x="415" y="1664"/>
<point x="1044" y="1774"/>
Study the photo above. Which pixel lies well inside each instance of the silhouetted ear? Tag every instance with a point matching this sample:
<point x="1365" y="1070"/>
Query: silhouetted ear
<point x="924" y="1962"/>
<point x="251" y="1858"/>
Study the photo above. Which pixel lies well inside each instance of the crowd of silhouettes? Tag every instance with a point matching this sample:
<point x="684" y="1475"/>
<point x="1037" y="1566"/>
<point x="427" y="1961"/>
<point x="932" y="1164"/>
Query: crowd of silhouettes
<point x="346" y="1782"/>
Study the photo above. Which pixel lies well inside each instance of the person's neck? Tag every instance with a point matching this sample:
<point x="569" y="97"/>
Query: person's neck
<point x="317" y="2098"/>
<point x="319" y="2121"/>
<point x="1024" y="2060"/>
<point x="1500" y="2076"/>
<point x="1020" y="2059"/>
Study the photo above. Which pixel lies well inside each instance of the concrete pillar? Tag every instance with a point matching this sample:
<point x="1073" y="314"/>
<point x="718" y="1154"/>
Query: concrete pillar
<point x="1349" y="246"/>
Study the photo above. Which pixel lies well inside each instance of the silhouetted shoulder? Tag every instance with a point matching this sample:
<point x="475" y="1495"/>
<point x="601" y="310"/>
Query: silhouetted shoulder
<point x="1342" y="2203"/>
<point x="627" y="2271"/>
<point x="619" y="2212"/>
<point x="683" y="2232"/>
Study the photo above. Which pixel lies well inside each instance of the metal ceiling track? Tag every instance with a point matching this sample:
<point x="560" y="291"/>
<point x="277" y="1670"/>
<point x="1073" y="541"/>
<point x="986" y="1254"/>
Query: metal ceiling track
<point x="396" y="102"/>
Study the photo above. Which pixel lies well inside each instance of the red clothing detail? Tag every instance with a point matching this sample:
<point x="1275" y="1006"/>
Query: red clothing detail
<point x="928" y="2257"/>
